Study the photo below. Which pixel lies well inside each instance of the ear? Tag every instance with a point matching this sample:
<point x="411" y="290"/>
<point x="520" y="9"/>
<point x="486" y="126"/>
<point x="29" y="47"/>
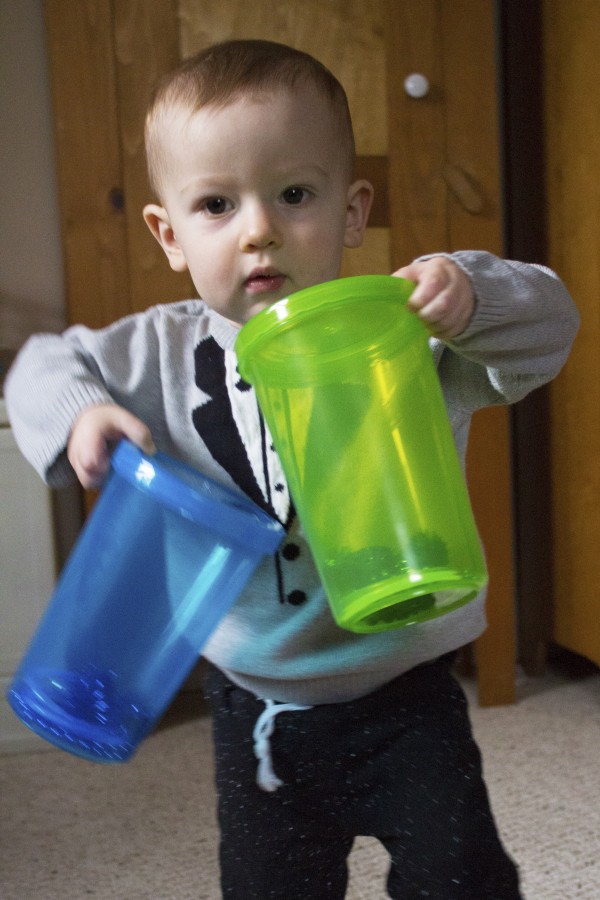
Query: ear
<point x="358" y="207"/>
<point x="157" y="219"/>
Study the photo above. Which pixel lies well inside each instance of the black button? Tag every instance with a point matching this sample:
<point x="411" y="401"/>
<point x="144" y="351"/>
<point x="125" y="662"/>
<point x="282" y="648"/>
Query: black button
<point x="296" y="598"/>
<point x="290" y="551"/>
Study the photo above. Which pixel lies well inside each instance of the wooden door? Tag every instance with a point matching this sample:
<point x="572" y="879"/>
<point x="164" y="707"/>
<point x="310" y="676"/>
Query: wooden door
<point x="572" y="91"/>
<point x="434" y="163"/>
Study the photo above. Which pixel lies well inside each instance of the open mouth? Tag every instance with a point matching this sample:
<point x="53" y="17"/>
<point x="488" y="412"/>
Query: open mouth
<point x="261" y="282"/>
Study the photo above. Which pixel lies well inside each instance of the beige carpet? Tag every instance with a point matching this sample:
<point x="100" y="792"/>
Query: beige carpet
<point x="145" y="830"/>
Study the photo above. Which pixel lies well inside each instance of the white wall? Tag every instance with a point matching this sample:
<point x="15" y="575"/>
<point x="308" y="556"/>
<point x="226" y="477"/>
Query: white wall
<point x="31" y="267"/>
<point x="31" y="264"/>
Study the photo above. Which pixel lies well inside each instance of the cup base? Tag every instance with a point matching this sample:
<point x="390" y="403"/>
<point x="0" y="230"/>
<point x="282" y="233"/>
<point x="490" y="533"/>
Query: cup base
<point x="83" y="713"/>
<point x="398" y="602"/>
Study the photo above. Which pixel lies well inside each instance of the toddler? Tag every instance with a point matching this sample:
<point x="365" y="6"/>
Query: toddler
<point x="320" y="734"/>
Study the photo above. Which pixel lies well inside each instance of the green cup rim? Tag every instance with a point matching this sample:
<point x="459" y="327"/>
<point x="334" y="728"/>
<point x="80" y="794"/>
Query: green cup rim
<point x="309" y="302"/>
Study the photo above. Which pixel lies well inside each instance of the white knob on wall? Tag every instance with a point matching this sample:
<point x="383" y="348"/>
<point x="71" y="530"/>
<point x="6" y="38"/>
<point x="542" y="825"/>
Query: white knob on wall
<point x="416" y="85"/>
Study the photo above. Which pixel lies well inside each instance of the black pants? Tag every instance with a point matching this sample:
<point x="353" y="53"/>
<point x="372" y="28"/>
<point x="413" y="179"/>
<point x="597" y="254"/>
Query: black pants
<point x="400" y="765"/>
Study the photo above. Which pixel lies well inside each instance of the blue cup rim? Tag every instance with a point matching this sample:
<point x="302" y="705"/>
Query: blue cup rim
<point x="198" y="498"/>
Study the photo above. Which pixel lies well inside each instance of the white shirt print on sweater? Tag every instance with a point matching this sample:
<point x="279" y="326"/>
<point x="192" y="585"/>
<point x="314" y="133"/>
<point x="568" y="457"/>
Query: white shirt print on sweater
<point x="257" y="441"/>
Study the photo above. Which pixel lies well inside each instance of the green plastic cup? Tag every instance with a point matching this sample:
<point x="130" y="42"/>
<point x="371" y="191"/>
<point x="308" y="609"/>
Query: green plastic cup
<point x="347" y="385"/>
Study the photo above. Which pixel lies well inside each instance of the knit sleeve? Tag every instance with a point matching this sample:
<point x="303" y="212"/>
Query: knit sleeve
<point x="56" y="377"/>
<point x="520" y="334"/>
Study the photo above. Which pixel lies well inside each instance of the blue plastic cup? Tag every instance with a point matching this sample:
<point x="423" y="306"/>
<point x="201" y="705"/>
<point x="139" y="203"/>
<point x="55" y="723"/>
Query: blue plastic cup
<point x="164" y="555"/>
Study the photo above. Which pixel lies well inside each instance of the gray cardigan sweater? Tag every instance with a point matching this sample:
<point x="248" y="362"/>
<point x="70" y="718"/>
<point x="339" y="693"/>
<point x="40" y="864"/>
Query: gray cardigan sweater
<point x="174" y="367"/>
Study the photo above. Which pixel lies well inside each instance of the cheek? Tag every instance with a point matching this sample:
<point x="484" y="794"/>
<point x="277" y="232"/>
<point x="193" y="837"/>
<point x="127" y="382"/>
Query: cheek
<point x="325" y="240"/>
<point x="326" y="244"/>
<point x="207" y="258"/>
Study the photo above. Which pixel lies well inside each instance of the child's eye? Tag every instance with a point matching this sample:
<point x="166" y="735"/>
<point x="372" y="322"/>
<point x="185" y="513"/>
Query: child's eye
<point x="294" y="195"/>
<point x="216" y="206"/>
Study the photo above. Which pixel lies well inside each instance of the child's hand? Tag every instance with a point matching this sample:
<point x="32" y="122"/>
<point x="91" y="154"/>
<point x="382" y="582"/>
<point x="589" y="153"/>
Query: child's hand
<point x="93" y="433"/>
<point x="443" y="298"/>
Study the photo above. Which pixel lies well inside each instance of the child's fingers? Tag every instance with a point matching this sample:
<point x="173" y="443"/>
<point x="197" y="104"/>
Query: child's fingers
<point x="431" y="280"/>
<point x="93" y="435"/>
<point x="121" y="423"/>
<point x="443" y="296"/>
<point x="90" y="463"/>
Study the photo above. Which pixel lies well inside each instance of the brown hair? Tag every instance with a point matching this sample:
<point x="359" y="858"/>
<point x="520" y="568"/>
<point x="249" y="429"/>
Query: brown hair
<point x="221" y="73"/>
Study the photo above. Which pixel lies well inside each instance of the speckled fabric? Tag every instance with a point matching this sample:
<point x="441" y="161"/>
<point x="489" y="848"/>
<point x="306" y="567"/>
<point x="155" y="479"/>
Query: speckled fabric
<point x="400" y="765"/>
<point x="147" y="830"/>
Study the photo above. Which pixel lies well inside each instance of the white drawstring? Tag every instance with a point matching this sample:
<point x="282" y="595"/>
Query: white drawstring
<point x="265" y="724"/>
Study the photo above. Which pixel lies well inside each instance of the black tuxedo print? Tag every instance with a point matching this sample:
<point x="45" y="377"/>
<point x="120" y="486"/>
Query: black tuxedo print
<point x="234" y="431"/>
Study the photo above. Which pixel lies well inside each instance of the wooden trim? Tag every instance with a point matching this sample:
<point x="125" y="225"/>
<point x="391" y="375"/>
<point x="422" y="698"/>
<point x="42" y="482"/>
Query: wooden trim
<point x="526" y="238"/>
<point x="489" y="478"/>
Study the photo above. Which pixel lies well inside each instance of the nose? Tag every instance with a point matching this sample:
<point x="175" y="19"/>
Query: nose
<point x="259" y="227"/>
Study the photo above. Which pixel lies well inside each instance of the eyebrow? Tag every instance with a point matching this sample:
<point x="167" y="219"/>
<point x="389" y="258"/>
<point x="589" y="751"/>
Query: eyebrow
<point x="222" y="182"/>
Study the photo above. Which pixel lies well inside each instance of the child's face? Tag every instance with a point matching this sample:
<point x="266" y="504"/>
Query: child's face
<point x="256" y="200"/>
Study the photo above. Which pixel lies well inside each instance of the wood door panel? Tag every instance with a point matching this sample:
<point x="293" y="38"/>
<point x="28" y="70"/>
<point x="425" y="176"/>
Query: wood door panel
<point x="86" y="125"/>
<point x="346" y="35"/>
<point x="472" y="165"/>
<point x="417" y="151"/>
<point x="146" y="39"/>
<point x="572" y="104"/>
